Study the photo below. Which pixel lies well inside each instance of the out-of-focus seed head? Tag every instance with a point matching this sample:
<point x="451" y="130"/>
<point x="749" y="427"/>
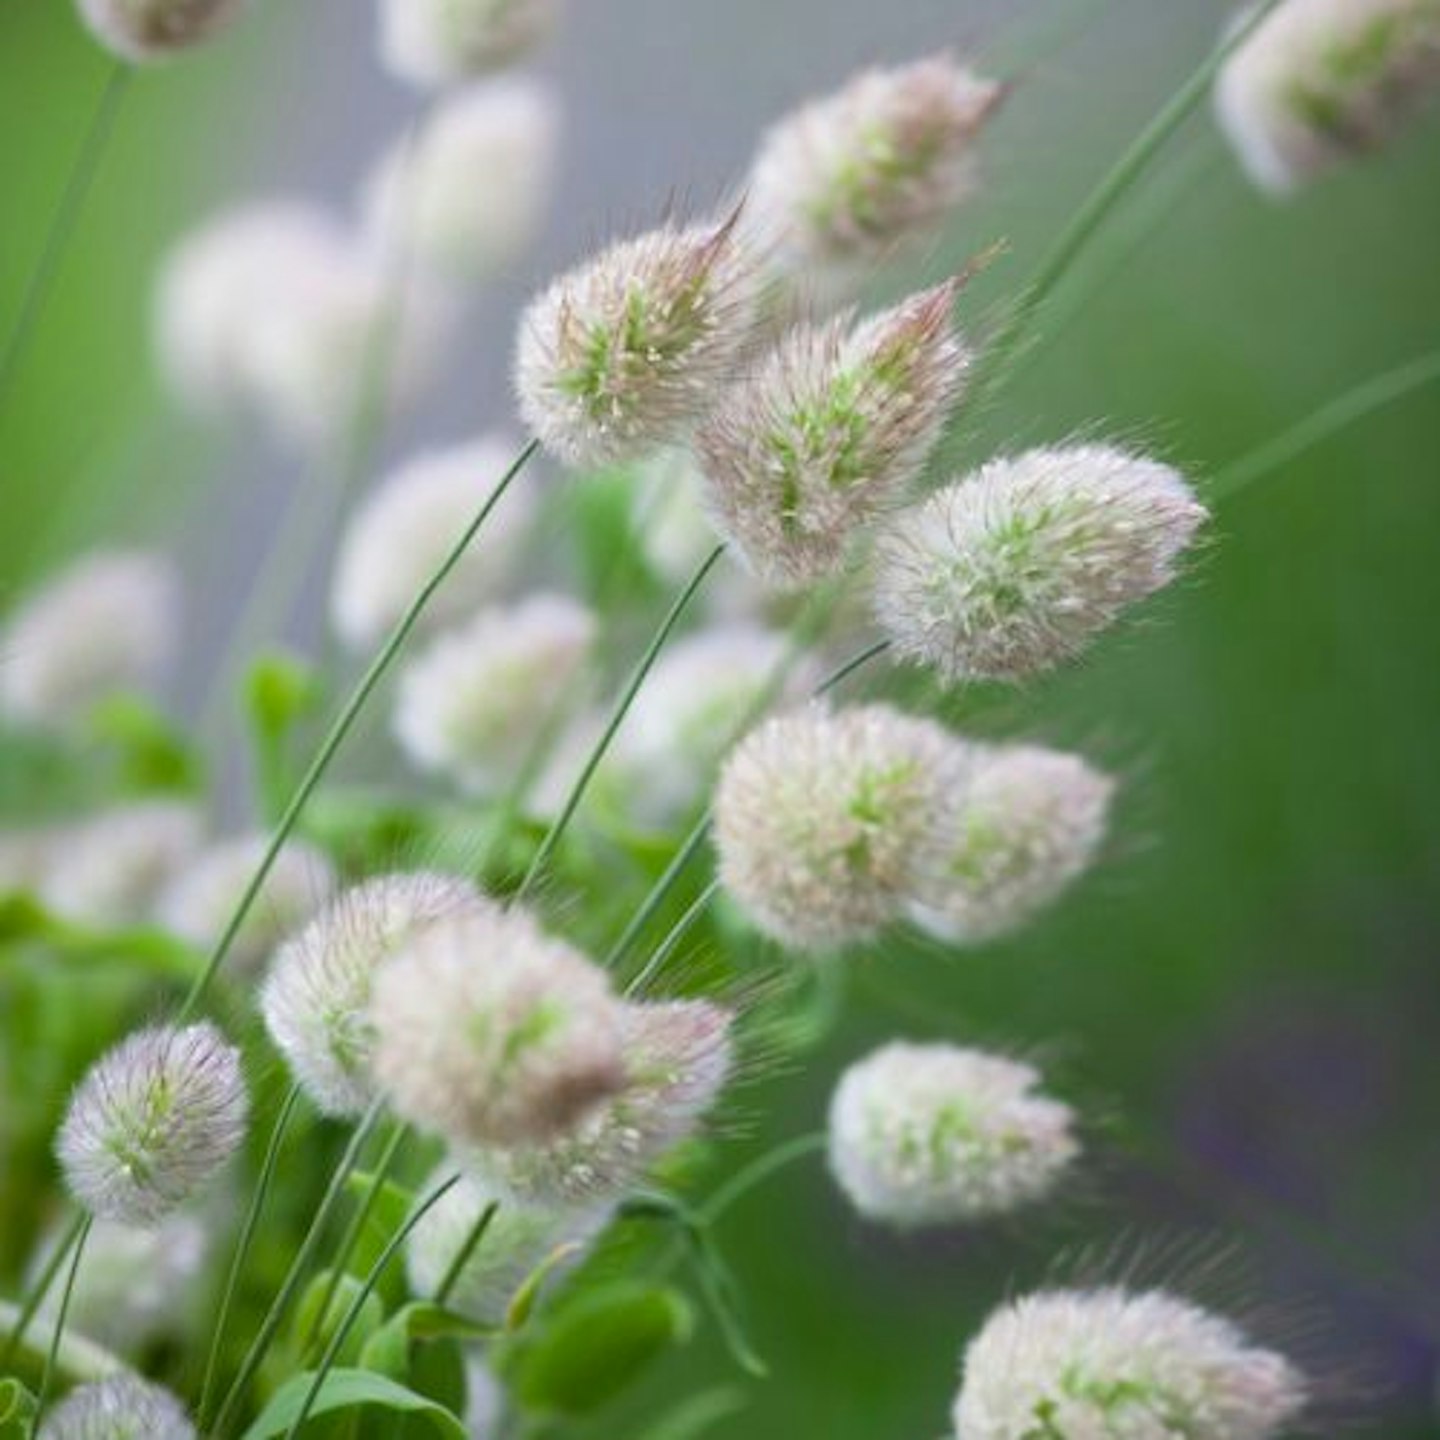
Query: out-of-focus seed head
<point x="1322" y="82"/>
<point x="490" y="1032"/>
<point x="828" y="432"/>
<point x="199" y="901"/>
<point x="624" y="354"/>
<point x="1028" y="823"/>
<point x="1108" y="1362"/>
<point x="467" y="196"/>
<point x="121" y="1407"/>
<point x="432" y="43"/>
<point x="152" y="1122"/>
<point x="823" y="817"/>
<point x="473" y="705"/>
<point x="403" y="531"/>
<point x="939" y="1135"/>
<point x="316" y="998"/>
<point x="157" y="29"/>
<point x="1014" y="569"/>
<point x="109" y="622"/>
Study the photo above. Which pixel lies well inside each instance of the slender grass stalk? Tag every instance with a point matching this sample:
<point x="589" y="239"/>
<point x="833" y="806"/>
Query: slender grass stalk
<point x="242" y="1246"/>
<point x="40" y="1289"/>
<point x="47" y="1375"/>
<point x="341" y="727"/>
<point x="461" y="1259"/>
<point x="759" y="1170"/>
<point x="842" y="673"/>
<point x="678" y="931"/>
<point x="661" y="888"/>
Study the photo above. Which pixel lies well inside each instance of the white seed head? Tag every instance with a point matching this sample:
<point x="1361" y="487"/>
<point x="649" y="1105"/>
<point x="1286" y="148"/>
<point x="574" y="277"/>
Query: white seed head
<point x="1079" y="1364"/>
<point x="433" y="43"/>
<point x="157" y="29"/>
<point x="316" y="997"/>
<point x="490" y="1032"/>
<point x="624" y="354"/>
<point x="403" y="531"/>
<point x="1321" y="82"/>
<point x="121" y="1407"/>
<point x="152" y="1122"/>
<point x="199" y="901"/>
<point x="939" y="1135"/>
<point x="1026" y="825"/>
<point x="109" y="622"/>
<point x="827" y="433"/>
<point x="472" y="705"/>
<point x="467" y="196"/>
<point x="1014" y="569"/>
<point x="677" y="1057"/>
<point x="823" y="817"/>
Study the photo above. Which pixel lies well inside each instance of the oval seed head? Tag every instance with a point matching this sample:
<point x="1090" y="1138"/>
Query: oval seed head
<point x="939" y="1135"/>
<point x="157" y="29"/>
<point x="490" y="1032"/>
<point x="107" y="623"/>
<point x="122" y="1407"/>
<point x="403" y="531"/>
<point x="822" y="817"/>
<point x="1014" y="569"/>
<point x="474" y="704"/>
<point x="316" y="998"/>
<point x="467" y="197"/>
<point x="828" y="432"/>
<point x="152" y="1122"/>
<point x="199" y="901"/>
<point x="1109" y="1362"/>
<point x="433" y="43"/>
<point x="624" y="354"/>
<point x="677" y="1057"/>
<point x="1026" y="825"/>
<point x="1321" y="82"/>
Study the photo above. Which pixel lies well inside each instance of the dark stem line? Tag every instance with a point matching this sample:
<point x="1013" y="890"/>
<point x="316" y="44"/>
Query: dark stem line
<point x="47" y="1375"/>
<point x="40" y="1289"/>
<point x="461" y="1258"/>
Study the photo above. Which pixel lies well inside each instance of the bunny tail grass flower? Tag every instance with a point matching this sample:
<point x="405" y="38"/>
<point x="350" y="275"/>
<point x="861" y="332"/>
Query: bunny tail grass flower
<point x="473" y="704"/>
<point x="828" y="432"/>
<point x="1014" y="569"/>
<point x="490" y="1032"/>
<point x="156" y="29"/>
<point x="433" y="43"/>
<point x="107" y="623"/>
<point x="467" y="196"/>
<point x="121" y="1407"/>
<point x="316" y="997"/>
<point x="624" y="354"/>
<point x="1107" y="1362"/>
<point x="822" y="818"/>
<point x="152" y="1122"/>
<point x="1028" y="822"/>
<point x="1320" y="82"/>
<point x="939" y="1135"/>
<point x="404" y="530"/>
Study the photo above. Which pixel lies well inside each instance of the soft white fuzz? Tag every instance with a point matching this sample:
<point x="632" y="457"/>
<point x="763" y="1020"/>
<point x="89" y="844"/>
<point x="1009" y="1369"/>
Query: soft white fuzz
<point x="434" y="43"/>
<point x="122" y="1407"/>
<point x="145" y="30"/>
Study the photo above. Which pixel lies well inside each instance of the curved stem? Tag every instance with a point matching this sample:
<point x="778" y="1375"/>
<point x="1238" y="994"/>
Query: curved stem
<point x="678" y="931"/>
<point x="52" y="1355"/>
<point x="689" y="848"/>
<point x="759" y="1170"/>
<point x="461" y="1258"/>
<point x="40" y="1289"/>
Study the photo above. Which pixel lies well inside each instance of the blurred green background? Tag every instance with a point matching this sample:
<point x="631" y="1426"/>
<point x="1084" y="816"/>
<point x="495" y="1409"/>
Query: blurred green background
<point x="1248" y="995"/>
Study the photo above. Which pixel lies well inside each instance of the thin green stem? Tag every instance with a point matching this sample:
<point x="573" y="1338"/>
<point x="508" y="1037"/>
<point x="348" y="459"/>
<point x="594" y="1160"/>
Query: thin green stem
<point x="47" y="1375"/>
<point x="841" y="673"/>
<point x="461" y="1258"/>
<point x="658" y="891"/>
<point x="678" y="931"/>
<point x="759" y="1170"/>
<point x="341" y="727"/>
<point x="40" y="1289"/>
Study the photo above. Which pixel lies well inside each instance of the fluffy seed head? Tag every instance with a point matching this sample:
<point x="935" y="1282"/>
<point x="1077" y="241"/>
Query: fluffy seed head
<point x="402" y="532"/>
<point x="470" y="706"/>
<point x="1320" y="82"/>
<point x="1146" y="1366"/>
<point x="490" y="1032"/>
<point x="1025" y="826"/>
<point x="828" y="432"/>
<point x="152" y="1122"/>
<point x="467" y="197"/>
<point x="432" y="43"/>
<point x="1014" y="569"/>
<point x="822" y="817"/>
<point x="122" y="1407"/>
<point x="316" y="997"/>
<point x="107" y="623"/>
<point x="939" y="1135"/>
<point x="157" y="29"/>
<point x="624" y="354"/>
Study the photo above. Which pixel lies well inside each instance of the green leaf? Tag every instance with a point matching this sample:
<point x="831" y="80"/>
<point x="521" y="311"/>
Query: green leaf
<point x="697" y="1414"/>
<point x="307" y="1322"/>
<point x="17" y="1406"/>
<point x="151" y="952"/>
<point x="349" y="1390"/>
<point x="522" y="1303"/>
<point x="151" y="753"/>
<point x="280" y="690"/>
<point x="388" y="1349"/>
<point x="389" y="1212"/>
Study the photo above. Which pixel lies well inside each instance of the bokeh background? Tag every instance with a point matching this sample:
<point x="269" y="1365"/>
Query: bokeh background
<point x="1249" y="994"/>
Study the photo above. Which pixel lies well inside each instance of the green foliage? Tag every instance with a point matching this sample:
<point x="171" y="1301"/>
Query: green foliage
<point x="345" y="1391"/>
